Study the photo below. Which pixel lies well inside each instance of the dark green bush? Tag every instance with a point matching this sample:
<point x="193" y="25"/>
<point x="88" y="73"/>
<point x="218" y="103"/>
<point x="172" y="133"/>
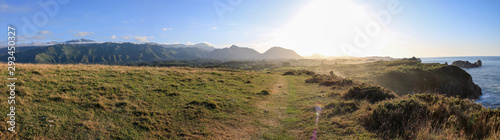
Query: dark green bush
<point x="299" y="72"/>
<point x="263" y="92"/>
<point x="368" y="92"/>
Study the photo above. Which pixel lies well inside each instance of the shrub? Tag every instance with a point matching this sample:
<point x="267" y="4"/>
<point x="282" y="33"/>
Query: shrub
<point x="368" y="92"/>
<point x="396" y="119"/>
<point x="329" y="80"/>
<point x="263" y="92"/>
<point x="317" y="78"/>
<point x="206" y="104"/>
<point x="341" y="82"/>
<point x="299" y="72"/>
<point x="444" y="115"/>
<point x="342" y="107"/>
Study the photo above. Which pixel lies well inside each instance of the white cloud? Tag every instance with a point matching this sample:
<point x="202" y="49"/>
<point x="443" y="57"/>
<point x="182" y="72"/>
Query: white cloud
<point x="169" y="28"/>
<point x="166" y="29"/>
<point x="83" y="34"/>
<point x="189" y="43"/>
<point x="44" y="32"/>
<point x="213" y="28"/>
<point x="14" y="9"/>
<point x="138" y="38"/>
<point x="113" y="37"/>
<point x="4" y="6"/>
<point x="143" y="38"/>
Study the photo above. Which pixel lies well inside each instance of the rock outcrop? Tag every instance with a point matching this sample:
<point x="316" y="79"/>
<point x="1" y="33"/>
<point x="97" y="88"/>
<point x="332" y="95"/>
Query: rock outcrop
<point x="467" y="64"/>
<point x="413" y="59"/>
<point x="448" y="80"/>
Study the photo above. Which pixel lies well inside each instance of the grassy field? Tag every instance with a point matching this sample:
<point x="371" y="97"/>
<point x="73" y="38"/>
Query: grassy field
<point x="120" y="102"/>
<point x="98" y="101"/>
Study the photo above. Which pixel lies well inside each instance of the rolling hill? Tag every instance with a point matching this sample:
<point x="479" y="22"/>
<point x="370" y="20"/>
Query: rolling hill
<point x="118" y="53"/>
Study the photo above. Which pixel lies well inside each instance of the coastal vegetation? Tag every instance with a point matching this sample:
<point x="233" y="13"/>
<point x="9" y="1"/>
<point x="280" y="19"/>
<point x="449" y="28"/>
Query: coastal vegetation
<point x="82" y="101"/>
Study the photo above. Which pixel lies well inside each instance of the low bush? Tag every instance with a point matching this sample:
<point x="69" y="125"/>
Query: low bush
<point x="329" y="80"/>
<point x="432" y="115"/>
<point x="342" y="107"/>
<point x="368" y="92"/>
<point x="263" y="92"/>
<point x="299" y="72"/>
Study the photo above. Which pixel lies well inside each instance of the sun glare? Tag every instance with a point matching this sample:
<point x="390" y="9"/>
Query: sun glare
<point x="319" y="26"/>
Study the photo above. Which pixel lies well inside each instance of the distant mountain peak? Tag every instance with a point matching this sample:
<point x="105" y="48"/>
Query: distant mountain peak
<point x="280" y="53"/>
<point x="276" y="48"/>
<point x="234" y="47"/>
<point x="244" y="53"/>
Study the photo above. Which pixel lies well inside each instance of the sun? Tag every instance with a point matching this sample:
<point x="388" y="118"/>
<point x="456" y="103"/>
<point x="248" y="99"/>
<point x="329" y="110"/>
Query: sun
<point x="319" y="26"/>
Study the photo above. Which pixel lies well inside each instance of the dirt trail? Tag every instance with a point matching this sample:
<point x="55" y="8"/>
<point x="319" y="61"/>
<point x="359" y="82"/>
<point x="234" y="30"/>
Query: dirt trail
<point x="274" y="108"/>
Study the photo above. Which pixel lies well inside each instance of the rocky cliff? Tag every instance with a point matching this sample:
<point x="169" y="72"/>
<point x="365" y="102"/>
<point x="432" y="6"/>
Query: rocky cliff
<point x="448" y="80"/>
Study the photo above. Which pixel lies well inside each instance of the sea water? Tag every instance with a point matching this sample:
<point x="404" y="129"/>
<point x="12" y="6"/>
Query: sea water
<point x="487" y="76"/>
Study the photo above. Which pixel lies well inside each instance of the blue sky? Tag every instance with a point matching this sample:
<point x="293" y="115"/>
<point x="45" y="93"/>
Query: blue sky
<point x="422" y="28"/>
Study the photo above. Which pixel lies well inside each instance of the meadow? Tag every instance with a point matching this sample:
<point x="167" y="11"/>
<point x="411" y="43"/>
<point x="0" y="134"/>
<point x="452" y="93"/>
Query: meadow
<point x="77" y="101"/>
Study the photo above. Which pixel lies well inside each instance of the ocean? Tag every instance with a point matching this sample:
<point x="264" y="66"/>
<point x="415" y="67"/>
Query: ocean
<point x="486" y="76"/>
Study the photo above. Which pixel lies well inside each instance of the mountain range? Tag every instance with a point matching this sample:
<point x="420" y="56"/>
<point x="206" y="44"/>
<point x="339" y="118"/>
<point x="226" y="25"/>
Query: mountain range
<point x="89" y="51"/>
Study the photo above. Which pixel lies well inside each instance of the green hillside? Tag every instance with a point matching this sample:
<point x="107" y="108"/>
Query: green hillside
<point x="105" y="53"/>
<point x="125" y="102"/>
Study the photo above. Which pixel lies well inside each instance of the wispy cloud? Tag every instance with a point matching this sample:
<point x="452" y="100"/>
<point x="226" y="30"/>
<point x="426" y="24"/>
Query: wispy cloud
<point x="167" y="29"/>
<point x="44" y="32"/>
<point x="138" y="38"/>
<point x="143" y="38"/>
<point x="214" y="28"/>
<point x="113" y="37"/>
<point x="83" y="34"/>
<point x="5" y="8"/>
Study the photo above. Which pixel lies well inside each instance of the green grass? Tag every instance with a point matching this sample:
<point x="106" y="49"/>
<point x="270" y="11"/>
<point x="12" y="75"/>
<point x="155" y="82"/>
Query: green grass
<point x="120" y="102"/>
<point x="361" y="111"/>
<point x="116" y="102"/>
<point x="337" y="121"/>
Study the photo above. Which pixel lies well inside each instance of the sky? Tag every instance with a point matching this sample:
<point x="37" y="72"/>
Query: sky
<point x="396" y="28"/>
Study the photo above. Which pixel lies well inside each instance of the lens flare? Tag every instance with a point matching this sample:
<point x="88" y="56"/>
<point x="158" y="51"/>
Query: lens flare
<point x="318" y="107"/>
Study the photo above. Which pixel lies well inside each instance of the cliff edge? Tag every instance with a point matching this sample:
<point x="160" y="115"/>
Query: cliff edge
<point x="447" y="80"/>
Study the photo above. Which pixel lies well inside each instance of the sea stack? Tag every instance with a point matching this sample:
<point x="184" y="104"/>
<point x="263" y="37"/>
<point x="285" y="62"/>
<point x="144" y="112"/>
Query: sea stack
<point x="467" y="64"/>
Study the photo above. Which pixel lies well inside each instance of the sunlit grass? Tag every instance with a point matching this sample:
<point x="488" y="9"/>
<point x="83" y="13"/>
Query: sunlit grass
<point x="110" y="102"/>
